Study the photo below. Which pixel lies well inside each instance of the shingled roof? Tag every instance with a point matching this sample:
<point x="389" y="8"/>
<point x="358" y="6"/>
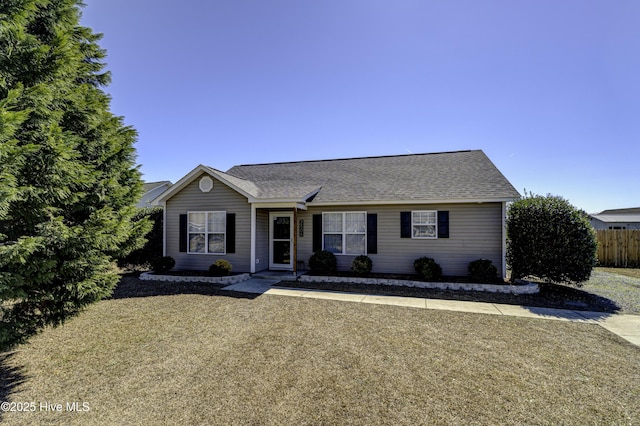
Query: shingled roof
<point x="437" y="177"/>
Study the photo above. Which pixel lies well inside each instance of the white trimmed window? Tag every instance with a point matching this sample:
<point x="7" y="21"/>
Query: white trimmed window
<point x="424" y="224"/>
<point x="206" y="232"/>
<point x="344" y="232"/>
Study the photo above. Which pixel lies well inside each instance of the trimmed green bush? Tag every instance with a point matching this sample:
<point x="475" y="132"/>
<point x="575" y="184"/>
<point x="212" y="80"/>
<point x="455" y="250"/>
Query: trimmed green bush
<point x="361" y="265"/>
<point x="220" y="268"/>
<point x="428" y="269"/>
<point x="323" y="262"/>
<point x="550" y="239"/>
<point x="162" y="264"/>
<point x="482" y="271"/>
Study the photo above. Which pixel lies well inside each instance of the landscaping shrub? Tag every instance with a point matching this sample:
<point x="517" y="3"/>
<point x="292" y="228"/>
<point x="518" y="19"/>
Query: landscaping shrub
<point x="482" y="271"/>
<point x="220" y="268"/>
<point x="427" y="268"/>
<point x="550" y="239"/>
<point x="162" y="264"/>
<point x="323" y="262"/>
<point x="361" y="265"/>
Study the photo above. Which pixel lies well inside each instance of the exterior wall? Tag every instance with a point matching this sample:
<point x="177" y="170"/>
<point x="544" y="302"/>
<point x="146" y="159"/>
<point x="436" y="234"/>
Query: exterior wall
<point x="475" y="231"/>
<point x="600" y="225"/>
<point x="221" y="198"/>
<point x="262" y="239"/>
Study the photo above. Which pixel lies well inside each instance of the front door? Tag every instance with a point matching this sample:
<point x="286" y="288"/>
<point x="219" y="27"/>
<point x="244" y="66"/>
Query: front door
<point x="281" y="240"/>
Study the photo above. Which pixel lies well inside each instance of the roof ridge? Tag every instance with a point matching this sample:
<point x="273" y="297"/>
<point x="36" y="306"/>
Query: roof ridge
<point x="158" y="182"/>
<point x="356" y="158"/>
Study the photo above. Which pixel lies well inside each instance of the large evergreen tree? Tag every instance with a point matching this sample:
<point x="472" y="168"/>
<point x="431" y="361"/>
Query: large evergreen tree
<point x="68" y="179"/>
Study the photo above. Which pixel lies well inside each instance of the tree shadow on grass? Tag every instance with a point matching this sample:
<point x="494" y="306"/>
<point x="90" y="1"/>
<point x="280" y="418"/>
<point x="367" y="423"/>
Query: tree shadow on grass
<point x="130" y="286"/>
<point x="11" y="378"/>
<point x="550" y="296"/>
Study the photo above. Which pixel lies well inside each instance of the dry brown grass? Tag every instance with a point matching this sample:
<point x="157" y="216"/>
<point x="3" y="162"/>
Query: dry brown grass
<point x="214" y="359"/>
<point x="627" y="272"/>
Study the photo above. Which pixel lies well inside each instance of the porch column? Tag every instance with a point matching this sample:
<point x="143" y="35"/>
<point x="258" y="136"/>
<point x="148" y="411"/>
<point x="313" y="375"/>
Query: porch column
<point x="252" y="268"/>
<point x="295" y="241"/>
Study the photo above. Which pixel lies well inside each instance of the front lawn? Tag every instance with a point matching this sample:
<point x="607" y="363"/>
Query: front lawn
<point x="205" y="357"/>
<point x="621" y="285"/>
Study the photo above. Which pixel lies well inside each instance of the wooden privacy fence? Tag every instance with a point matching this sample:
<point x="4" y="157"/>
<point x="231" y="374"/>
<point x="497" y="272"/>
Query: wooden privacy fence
<point x="619" y="247"/>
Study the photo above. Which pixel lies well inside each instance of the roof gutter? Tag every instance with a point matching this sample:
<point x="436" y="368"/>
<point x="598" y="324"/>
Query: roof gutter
<point x="405" y="202"/>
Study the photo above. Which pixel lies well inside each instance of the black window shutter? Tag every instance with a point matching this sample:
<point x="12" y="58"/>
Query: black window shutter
<point x="405" y="224"/>
<point x="316" y="235"/>
<point x="231" y="232"/>
<point x="372" y="233"/>
<point x="182" y="234"/>
<point x="443" y="224"/>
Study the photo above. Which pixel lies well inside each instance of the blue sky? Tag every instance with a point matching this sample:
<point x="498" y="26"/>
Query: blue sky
<point x="550" y="90"/>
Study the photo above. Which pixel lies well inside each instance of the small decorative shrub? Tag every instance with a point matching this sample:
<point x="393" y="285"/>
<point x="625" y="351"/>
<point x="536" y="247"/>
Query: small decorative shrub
<point x="323" y="262"/>
<point x="428" y="269"/>
<point x="361" y="265"/>
<point x="482" y="271"/>
<point x="160" y="265"/>
<point x="220" y="268"/>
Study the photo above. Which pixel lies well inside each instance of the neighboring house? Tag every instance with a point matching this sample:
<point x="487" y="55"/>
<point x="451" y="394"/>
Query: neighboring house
<point x="616" y="219"/>
<point x="151" y="191"/>
<point x="450" y="206"/>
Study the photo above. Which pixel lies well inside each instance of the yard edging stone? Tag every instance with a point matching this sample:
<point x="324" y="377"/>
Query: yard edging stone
<point x="523" y="287"/>
<point x="228" y="280"/>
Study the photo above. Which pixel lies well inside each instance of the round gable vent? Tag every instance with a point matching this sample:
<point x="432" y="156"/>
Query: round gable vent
<point x="206" y="184"/>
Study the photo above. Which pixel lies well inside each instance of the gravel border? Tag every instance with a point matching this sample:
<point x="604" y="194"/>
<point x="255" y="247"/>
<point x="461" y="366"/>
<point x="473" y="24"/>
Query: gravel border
<point x="231" y="279"/>
<point x="523" y="287"/>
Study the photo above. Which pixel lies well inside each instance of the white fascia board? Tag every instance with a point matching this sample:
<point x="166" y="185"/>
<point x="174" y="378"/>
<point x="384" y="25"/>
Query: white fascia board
<point x="404" y="202"/>
<point x="190" y="177"/>
<point x="179" y="185"/>
<point x="278" y="204"/>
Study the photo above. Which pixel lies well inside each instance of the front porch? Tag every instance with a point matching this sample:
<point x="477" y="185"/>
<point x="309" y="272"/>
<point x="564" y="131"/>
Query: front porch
<point x="274" y="242"/>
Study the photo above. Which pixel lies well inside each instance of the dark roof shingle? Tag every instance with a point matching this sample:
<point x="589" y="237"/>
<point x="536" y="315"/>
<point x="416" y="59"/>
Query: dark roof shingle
<point x="461" y="175"/>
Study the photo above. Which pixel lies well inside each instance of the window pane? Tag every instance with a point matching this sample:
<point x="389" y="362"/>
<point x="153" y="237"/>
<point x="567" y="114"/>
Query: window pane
<point x="282" y="252"/>
<point x="333" y="243"/>
<point x="424" y="231"/>
<point x="355" y="222"/>
<point x="355" y="244"/>
<point x="216" y="243"/>
<point x="424" y="218"/>
<point x="196" y="243"/>
<point x="217" y="222"/>
<point x="332" y="222"/>
<point x="196" y="222"/>
<point x="281" y="228"/>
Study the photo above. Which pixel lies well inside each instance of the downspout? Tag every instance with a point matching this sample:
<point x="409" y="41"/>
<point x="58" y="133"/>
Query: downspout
<point x="504" y="239"/>
<point x="164" y="228"/>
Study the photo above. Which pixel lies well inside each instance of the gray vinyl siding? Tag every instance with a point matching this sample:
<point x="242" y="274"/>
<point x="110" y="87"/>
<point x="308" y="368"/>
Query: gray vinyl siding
<point x="262" y="239"/>
<point x="221" y="198"/>
<point x="475" y="231"/>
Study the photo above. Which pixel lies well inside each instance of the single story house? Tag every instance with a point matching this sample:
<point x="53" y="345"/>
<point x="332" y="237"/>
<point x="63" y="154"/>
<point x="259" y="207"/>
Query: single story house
<point x="450" y="206"/>
<point x="616" y="219"/>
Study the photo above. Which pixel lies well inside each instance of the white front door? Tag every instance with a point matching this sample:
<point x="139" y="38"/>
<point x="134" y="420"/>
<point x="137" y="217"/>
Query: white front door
<point x="281" y="240"/>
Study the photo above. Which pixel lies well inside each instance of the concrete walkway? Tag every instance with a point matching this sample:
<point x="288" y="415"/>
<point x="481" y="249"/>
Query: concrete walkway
<point x="625" y="326"/>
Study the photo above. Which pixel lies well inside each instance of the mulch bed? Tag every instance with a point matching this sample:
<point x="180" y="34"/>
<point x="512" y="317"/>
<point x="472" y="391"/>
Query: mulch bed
<point x="550" y="296"/>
